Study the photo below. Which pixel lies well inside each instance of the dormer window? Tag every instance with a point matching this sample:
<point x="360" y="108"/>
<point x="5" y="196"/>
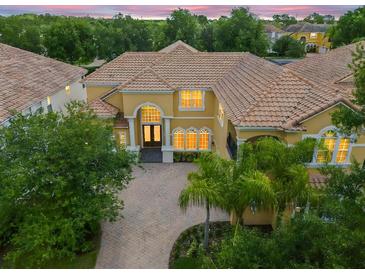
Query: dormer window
<point x="191" y="100"/>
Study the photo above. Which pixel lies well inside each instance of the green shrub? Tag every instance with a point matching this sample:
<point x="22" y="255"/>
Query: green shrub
<point x="185" y="156"/>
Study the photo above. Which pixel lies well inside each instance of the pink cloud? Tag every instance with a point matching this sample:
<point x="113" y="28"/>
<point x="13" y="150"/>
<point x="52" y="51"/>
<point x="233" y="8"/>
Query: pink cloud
<point x="163" y="11"/>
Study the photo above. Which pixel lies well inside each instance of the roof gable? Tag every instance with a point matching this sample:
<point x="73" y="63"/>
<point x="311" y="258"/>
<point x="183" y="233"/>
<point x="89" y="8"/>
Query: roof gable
<point x="146" y="80"/>
<point x="177" y="44"/>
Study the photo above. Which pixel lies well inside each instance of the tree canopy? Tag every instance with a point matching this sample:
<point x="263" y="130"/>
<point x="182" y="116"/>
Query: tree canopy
<point x="349" y="28"/>
<point x="351" y="120"/>
<point x="59" y="177"/>
<point x="79" y="40"/>
<point x="289" y="47"/>
<point x="284" y="20"/>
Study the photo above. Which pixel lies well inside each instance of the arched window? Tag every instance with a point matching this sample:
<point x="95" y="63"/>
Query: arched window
<point x="150" y="114"/>
<point x="191" y="139"/>
<point x="178" y="139"/>
<point x="203" y="139"/>
<point x="326" y="146"/>
<point x="333" y="147"/>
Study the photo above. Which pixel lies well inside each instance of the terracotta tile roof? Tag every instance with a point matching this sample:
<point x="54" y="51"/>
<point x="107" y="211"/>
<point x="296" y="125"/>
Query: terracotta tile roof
<point x="146" y="80"/>
<point x="253" y="91"/>
<point x="289" y="100"/>
<point x="123" y="68"/>
<point x="103" y="109"/>
<point x="27" y="78"/>
<point x="329" y="68"/>
<point x="178" y="43"/>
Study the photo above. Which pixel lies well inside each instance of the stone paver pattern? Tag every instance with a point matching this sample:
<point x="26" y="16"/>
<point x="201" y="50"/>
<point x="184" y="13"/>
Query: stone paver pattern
<point x="152" y="219"/>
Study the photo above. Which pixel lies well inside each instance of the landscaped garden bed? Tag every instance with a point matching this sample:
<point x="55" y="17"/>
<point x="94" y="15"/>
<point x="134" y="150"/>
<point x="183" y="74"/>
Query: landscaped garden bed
<point x="186" y="249"/>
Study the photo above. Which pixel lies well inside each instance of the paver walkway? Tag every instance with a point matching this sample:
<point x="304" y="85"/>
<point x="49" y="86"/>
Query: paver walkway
<point x="152" y="219"/>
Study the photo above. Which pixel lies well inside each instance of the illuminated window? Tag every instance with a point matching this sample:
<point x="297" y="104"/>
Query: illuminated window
<point x="68" y="89"/>
<point x="313" y="35"/>
<point x="48" y="100"/>
<point x="220" y="114"/>
<point x="191" y="139"/>
<point x="326" y="147"/>
<point x="343" y="148"/>
<point x="178" y="141"/>
<point x="203" y="139"/>
<point x="150" y="114"/>
<point x="333" y="148"/>
<point x="191" y="100"/>
<point x="122" y="139"/>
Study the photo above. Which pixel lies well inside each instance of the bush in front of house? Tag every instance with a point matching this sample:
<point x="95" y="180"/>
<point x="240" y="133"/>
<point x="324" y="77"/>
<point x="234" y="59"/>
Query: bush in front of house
<point x="59" y="178"/>
<point x="185" y="156"/>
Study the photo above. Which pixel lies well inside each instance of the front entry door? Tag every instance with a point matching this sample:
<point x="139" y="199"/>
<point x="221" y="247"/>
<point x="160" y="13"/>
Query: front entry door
<point x="152" y="135"/>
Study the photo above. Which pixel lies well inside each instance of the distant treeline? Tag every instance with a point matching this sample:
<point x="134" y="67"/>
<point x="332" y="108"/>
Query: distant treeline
<point x="79" y="40"/>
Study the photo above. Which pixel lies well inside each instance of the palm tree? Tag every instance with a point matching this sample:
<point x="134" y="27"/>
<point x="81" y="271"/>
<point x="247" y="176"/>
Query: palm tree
<point x="252" y="188"/>
<point x="205" y="187"/>
<point x="284" y="165"/>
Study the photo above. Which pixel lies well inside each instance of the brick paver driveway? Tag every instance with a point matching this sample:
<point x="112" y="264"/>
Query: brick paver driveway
<point x="152" y="219"/>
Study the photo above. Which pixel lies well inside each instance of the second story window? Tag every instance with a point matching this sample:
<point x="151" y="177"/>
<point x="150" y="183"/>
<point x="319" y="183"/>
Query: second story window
<point x="313" y="35"/>
<point x="191" y="100"/>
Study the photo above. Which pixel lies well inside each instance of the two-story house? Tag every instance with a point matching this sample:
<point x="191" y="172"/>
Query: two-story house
<point x="180" y="99"/>
<point x="312" y="35"/>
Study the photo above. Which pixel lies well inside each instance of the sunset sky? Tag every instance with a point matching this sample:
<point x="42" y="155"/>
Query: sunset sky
<point x="158" y="12"/>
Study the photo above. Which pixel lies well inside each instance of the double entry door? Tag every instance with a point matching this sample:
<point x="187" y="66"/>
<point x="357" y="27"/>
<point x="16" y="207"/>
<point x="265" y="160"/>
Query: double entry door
<point x="151" y="135"/>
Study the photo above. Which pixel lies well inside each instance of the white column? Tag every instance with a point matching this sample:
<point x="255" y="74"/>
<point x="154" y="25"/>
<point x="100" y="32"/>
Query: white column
<point x="131" y="132"/>
<point x="167" y="132"/>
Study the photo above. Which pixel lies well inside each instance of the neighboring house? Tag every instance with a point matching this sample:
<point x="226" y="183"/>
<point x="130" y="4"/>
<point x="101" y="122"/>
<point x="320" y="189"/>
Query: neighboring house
<point x="273" y="34"/>
<point x="313" y="35"/>
<point x="183" y="100"/>
<point x="30" y="81"/>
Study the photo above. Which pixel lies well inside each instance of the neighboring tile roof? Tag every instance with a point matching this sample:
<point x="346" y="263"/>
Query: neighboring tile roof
<point x="253" y="91"/>
<point x="103" y="109"/>
<point x="27" y="78"/>
<point x="307" y="27"/>
<point x="272" y="28"/>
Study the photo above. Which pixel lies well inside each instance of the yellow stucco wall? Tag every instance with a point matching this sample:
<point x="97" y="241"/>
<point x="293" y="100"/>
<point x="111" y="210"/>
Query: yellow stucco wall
<point x="96" y="91"/>
<point x="220" y="133"/>
<point x="320" y="40"/>
<point x="132" y="101"/>
<point x="116" y="100"/>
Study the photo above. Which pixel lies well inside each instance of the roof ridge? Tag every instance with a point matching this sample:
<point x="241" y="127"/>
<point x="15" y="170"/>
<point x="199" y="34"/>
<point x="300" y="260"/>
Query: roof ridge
<point x="291" y="122"/>
<point x="266" y="91"/>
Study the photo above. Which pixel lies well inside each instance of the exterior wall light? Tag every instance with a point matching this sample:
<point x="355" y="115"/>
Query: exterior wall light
<point x="68" y="89"/>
